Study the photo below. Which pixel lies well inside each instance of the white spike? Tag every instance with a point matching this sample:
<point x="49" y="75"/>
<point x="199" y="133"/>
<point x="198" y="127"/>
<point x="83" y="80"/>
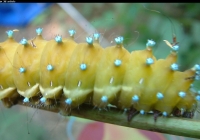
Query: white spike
<point x="51" y="83"/>
<point x="111" y="80"/>
<point x="141" y="81"/>
<point x="28" y="84"/>
<point x="79" y="83"/>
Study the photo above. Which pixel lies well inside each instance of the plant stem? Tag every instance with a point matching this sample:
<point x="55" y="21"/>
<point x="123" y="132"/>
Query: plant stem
<point x="169" y="125"/>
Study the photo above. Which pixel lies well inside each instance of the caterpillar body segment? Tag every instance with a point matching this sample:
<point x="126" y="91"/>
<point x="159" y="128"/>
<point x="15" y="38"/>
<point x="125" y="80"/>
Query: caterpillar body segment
<point x="80" y="75"/>
<point x="138" y="69"/>
<point x="26" y="64"/>
<point x="110" y="74"/>
<point x="162" y="75"/>
<point x="176" y="91"/>
<point x="8" y="88"/>
<point x="158" y="82"/>
<point x="54" y="64"/>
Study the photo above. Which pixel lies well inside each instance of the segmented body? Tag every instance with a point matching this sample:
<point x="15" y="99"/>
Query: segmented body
<point x="61" y="69"/>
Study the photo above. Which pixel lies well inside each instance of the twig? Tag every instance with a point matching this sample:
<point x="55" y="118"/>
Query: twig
<point x="169" y="125"/>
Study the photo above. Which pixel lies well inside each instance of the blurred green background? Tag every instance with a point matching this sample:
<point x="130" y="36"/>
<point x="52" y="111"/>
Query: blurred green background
<point x="142" y="21"/>
<point x="133" y="21"/>
<point x="124" y="19"/>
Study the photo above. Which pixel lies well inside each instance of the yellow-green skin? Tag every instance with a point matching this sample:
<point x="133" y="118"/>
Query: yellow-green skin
<point x="188" y="103"/>
<point x="28" y="56"/>
<point x="58" y="55"/>
<point x="109" y="77"/>
<point x="171" y="97"/>
<point x="101" y="77"/>
<point x="79" y="83"/>
<point x="7" y="50"/>
<point x="136" y="77"/>
<point x="158" y="81"/>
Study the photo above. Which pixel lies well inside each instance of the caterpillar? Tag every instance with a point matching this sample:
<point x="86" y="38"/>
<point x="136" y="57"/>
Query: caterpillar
<point x="62" y="72"/>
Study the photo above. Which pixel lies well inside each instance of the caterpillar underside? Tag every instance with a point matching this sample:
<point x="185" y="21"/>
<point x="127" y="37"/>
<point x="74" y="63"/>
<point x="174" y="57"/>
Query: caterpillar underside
<point x="62" y="72"/>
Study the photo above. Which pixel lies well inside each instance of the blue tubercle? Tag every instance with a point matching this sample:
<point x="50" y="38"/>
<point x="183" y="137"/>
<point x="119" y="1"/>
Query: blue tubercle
<point x="72" y="33"/>
<point x="174" y="67"/>
<point x="22" y="70"/>
<point x="9" y="33"/>
<point x="118" y="62"/>
<point x="104" y="99"/>
<point x="149" y="61"/>
<point x="135" y="98"/>
<point x="83" y="66"/>
<point x="39" y="31"/>
<point x="175" y="48"/>
<point x="50" y="67"/>
<point x="150" y="43"/>
<point x="182" y="94"/>
<point x="159" y="95"/>
<point x="119" y="40"/>
<point x="24" y="41"/>
<point x="43" y="100"/>
<point x="197" y="77"/>
<point x="197" y="67"/>
<point x="26" y="100"/>
<point x="198" y="97"/>
<point x="96" y="36"/>
<point x="142" y="112"/>
<point x="68" y="101"/>
<point x="89" y="40"/>
<point x="164" y="114"/>
<point x="58" y="39"/>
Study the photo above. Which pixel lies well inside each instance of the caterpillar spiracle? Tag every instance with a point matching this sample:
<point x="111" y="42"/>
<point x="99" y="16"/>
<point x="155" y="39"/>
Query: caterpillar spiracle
<point x="60" y="71"/>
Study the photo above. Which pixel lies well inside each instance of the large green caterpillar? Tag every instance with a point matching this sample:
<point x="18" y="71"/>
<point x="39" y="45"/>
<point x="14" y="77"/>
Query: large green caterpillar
<point x="73" y="74"/>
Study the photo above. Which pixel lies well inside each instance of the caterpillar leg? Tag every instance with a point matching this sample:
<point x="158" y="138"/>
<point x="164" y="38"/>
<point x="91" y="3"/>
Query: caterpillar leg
<point x="131" y="113"/>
